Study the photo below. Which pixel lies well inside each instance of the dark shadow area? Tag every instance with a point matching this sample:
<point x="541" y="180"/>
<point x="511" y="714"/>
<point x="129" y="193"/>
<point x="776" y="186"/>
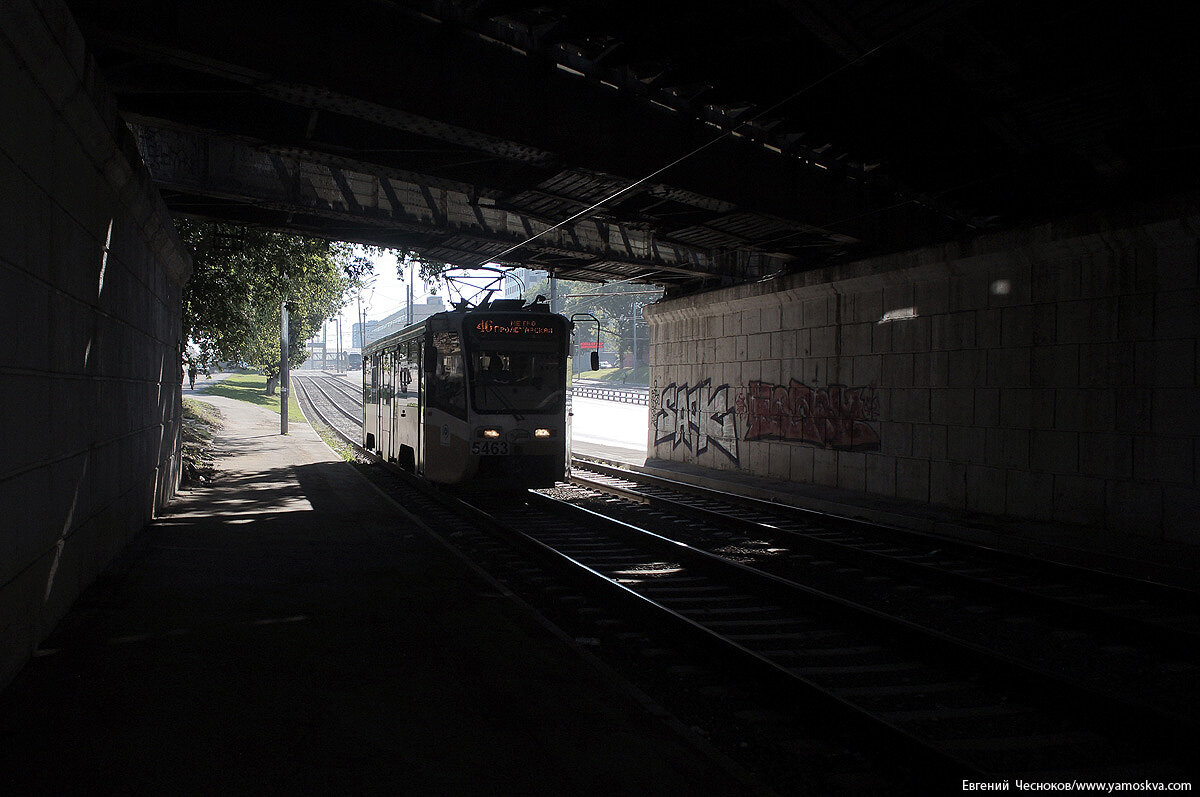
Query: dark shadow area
<point x="1079" y="545"/>
<point x="285" y="630"/>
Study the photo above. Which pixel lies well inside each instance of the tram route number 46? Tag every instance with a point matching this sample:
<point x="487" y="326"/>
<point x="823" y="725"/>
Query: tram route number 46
<point x="489" y="447"/>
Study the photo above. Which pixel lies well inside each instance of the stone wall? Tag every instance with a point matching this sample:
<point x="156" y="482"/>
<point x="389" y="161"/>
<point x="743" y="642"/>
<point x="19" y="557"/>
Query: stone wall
<point x="1048" y="374"/>
<point x="90" y="284"/>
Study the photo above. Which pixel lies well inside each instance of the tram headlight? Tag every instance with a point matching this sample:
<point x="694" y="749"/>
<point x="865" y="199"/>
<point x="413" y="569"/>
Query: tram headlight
<point x="489" y="433"/>
<point x="543" y="433"/>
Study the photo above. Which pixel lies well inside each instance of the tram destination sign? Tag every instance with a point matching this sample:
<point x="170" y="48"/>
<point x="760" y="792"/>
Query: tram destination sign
<point x="515" y="327"/>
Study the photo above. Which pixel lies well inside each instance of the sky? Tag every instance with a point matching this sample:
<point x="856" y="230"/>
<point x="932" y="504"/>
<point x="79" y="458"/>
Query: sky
<point x="385" y="295"/>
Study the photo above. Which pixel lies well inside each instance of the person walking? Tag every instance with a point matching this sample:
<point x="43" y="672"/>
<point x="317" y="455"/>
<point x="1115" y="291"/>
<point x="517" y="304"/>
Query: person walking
<point x="192" y="376"/>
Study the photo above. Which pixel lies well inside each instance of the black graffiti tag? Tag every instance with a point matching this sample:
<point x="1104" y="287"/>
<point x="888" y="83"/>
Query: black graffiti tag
<point x="695" y="418"/>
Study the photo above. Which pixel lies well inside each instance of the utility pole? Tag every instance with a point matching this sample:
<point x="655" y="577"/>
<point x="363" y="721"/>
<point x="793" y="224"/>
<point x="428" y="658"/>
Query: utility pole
<point x="284" y="374"/>
<point x="637" y="308"/>
<point x="635" y="337"/>
<point x="338" y="348"/>
<point x="410" y="293"/>
<point x="362" y="315"/>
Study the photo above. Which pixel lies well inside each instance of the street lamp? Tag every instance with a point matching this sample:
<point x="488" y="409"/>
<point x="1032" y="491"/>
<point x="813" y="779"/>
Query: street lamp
<point x="338" y="347"/>
<point x="636" y="307"/>
<point x="362" y="318"/>
<point x="284" y="373"/>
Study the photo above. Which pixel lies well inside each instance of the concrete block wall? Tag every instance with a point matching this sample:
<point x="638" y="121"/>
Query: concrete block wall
<point x="90" y="284"/>
<point x="1046" y="374"/>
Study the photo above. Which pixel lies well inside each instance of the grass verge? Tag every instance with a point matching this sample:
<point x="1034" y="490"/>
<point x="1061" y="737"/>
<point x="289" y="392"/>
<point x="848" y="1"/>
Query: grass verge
<point x="639" y="376"/>
<point x="200" y="422"/>
<point x="253" y="389"/>
<point x="335" y="443"/>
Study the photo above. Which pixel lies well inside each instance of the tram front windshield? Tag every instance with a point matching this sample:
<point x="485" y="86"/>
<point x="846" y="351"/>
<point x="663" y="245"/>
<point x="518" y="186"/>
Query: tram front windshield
<point x="517" y="378"/>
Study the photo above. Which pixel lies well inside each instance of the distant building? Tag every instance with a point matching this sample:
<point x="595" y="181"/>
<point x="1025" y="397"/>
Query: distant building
<point x="356" y="334"/>
<point x="526" y="278"/>
<point x="400" y="319"/>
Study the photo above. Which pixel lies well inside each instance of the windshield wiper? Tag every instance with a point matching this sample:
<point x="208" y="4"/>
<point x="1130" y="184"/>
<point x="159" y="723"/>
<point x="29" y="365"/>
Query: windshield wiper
<point x="504" y="401"/>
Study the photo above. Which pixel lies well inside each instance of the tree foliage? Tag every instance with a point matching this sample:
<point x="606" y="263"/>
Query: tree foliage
<point x="429" y="270"/>
<point x="240" y="278"/>
<point x="616" y="307"/>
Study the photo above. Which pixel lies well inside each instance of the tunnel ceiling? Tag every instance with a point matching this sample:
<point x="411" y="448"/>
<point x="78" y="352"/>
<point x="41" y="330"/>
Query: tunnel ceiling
<point x="793" y="133"/>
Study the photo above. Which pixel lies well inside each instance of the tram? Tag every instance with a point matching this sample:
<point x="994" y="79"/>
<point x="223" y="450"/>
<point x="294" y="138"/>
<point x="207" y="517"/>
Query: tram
<point x="474" y="393"/>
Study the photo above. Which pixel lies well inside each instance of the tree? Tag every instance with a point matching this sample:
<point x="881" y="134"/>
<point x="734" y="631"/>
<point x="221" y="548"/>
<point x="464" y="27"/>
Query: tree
<point x="616" y="306"/>
<point x="429" y="270"/>
<point x="241" y="276"/>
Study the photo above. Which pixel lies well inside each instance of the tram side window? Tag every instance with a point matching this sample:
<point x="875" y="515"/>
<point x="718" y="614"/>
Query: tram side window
<point x="394" y="387"/>
<point x="385" y="389"/>
<point x="373" y="396"/>
<point x="447" y="385"/>
<point x="406" y="371"/>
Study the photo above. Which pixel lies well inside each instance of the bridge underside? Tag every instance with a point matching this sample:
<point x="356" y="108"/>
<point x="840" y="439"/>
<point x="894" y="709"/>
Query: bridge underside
<point x="215" y="177"/>
<point x="724" y="142"/>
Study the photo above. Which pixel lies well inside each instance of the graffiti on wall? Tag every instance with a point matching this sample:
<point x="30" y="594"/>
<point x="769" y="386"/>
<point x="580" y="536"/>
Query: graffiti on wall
<point x="695" y="418"/>
<point x="836" y="417"/>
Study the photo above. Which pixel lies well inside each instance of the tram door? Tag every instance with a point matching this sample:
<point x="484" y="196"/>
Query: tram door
<point x="378" y="358"/>
<point x="400" y="406"/>
<point x="374" y="412"/>
<point x="405" y="412"/>
<point x="416" y="400"/>
<point x="385" y="406"/>
<point x="446" y="457"/>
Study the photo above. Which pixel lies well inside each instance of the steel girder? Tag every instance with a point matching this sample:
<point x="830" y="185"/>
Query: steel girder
<point x="205" y="175"/>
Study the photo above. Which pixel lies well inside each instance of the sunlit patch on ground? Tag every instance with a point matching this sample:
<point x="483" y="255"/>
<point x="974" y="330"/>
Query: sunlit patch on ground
<point x="651" y="569"/>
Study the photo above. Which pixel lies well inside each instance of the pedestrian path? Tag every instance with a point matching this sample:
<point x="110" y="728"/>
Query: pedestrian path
<point x="203" y="382"/>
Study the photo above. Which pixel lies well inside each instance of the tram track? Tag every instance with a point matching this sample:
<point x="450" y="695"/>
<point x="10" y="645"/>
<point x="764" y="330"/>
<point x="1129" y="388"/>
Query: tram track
<point x="702" y="695"/>
<point x="1033" y="573"/>
<point x="1101" y="650"/>
<point x="343" y="422"/>
<point x="952" y="703"/>
<point x="339" y="384"/>
<point x="1147" y="613"/>
<point x="989" y="714"/>
<point x="345" y="392"/>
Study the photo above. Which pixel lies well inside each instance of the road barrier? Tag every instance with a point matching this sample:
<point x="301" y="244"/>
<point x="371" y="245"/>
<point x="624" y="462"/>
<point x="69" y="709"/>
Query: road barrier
<point x="634" y="395"/>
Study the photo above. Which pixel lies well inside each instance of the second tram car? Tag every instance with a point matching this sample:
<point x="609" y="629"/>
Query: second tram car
<point x="473" y="393"/>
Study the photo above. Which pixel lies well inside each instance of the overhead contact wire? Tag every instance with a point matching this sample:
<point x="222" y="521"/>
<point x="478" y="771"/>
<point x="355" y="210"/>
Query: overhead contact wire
<point x="724" y="134"/>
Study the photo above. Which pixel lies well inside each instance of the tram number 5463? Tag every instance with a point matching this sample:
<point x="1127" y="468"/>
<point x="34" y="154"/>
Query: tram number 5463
<point x="489" y="447"/>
